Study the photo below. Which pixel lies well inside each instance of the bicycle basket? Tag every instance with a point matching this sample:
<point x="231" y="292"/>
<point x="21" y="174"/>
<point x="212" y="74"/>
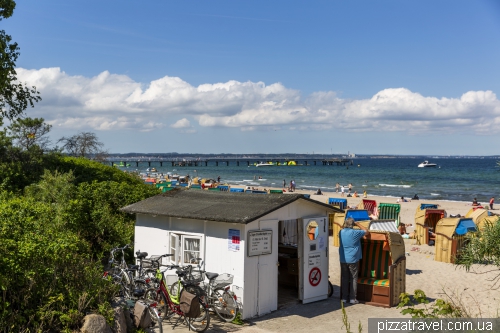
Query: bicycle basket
<point x="222" y="281"/>
<point x="193" y="276"/>
<point x="151" y="262"/>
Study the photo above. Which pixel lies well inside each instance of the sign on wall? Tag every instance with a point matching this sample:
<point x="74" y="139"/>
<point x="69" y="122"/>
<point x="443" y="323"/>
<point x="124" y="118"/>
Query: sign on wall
<point x="233" y="240"/>
<point x="260" y="242"/>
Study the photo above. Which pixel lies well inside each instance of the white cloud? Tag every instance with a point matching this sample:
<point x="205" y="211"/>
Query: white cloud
<point x="181" y="123"/>
<point x="110" y="101"/>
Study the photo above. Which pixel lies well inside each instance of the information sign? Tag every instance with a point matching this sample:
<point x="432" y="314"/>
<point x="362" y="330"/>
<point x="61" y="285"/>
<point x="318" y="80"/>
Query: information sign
<point x="260" y="242"/>
<point x="233" y="240"/>
<point x="314" y="259"/>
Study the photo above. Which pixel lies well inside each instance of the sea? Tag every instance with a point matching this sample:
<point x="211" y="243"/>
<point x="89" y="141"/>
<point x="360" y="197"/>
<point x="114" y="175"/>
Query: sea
<point x="454" y="179"/>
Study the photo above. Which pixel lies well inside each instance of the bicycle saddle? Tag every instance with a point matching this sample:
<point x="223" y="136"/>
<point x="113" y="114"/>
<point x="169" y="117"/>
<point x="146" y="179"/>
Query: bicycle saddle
<point x="141" y="255"/>
<point x="211" y="276"/>
<point x="139" y="292"/>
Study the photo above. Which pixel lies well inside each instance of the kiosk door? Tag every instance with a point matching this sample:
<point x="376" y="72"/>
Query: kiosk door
<point x="268" y="272"/>
<point x="314" y="259"/>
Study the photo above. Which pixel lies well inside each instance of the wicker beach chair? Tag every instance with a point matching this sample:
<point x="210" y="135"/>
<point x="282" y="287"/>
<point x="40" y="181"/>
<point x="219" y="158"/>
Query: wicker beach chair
<point x="479" y="216"/>
<point x="382" y="269"/>
<point x="426" y="218"/>
<point x="451" y="237"/>
<point x="339" y="203"/>
<point x="369" y="205"/>
<point x="389" y="211"/>
<point x="336" y="221"/>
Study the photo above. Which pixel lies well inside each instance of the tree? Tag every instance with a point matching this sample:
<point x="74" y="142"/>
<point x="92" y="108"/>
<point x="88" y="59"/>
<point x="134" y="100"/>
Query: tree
<point x="15" y="97"/>
<point x="29" y="132"/>
<point x="82" y="144"/>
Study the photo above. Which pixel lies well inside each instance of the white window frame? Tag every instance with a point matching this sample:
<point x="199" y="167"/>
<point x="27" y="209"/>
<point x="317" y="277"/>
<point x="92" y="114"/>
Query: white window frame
<point x="179" y="248"/>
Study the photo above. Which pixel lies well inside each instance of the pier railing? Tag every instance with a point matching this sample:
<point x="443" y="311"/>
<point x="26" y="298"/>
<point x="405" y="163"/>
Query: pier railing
<point x="226" y="162"/>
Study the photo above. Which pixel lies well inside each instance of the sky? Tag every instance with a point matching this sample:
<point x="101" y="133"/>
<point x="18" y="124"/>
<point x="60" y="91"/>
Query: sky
<point x="414" y="77"/>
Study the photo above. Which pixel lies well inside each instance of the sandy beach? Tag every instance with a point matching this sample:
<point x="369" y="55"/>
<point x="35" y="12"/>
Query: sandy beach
<point x="437" y="279"/>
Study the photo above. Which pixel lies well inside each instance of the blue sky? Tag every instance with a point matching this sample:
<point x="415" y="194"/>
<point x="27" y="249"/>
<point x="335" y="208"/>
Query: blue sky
<point x="381" y="77"/>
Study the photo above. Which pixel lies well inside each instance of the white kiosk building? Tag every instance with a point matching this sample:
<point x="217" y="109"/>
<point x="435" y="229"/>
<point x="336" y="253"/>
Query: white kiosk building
<point x="267" y="241"/>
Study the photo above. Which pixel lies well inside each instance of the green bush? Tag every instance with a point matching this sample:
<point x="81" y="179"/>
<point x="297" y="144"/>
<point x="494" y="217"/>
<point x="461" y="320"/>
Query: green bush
<point x="47" y="274"/>
<point x="53" y="239"/>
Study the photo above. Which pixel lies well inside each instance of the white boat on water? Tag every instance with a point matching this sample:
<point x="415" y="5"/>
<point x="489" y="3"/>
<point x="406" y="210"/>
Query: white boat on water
<point x="426" y="164"/>
<point x="261" y="164"/>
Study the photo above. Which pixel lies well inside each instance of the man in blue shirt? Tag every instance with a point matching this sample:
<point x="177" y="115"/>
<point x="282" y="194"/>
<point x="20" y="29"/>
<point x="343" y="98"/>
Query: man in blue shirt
<point x="350" y="254"/>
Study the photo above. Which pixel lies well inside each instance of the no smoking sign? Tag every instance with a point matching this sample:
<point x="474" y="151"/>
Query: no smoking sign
<point x="314" y="276"/>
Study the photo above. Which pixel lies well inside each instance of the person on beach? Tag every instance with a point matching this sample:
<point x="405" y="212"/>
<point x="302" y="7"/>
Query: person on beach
<point x="284" y="184"/>
<point x="318" y="192"/>
<point x="290" y="189"/>
<point x="364" y="194"/>
<point x="402" y="228"/>
<point x="355" y="195"/>
<point x="218" y="179"/>
<point x="475" y="203"/>
<point x="432" y="238"/>
<point x="403" y="199"/>
<point x="342" y="191"/>
<point x="492" y="201"/>
<point x="293" y="184"/>
<point x="350" y="188"/>
<point x="350" y="254"/>
<point x="337" y="186"/>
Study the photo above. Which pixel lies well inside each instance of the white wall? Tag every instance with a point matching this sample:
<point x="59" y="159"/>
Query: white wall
<point x="218" y="257"/>
<point x="151" y="234"/>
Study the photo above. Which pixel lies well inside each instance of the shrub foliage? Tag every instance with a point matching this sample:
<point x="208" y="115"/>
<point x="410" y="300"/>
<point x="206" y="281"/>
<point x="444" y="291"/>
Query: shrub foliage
<point x="54" y="237"/>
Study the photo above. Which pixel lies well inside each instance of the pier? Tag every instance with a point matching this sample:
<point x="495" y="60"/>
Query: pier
<point x="227" y="161"/>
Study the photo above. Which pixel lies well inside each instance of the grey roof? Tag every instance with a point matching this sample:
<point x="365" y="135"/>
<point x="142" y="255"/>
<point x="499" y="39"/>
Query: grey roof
<point x="215" y="206"/>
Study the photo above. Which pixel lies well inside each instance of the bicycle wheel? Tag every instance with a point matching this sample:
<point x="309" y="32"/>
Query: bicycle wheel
<point x="175" y="289"/>
<point x="149" y="275"/>
<point x="120" y="278"/>
<point x="139" y="288"/>
<point x="156" y="319"/>
<point x="162" y="307"/>
<point x="330" y="289"/>
<point x="225" y="305"/>
<point x="200" y="323"/>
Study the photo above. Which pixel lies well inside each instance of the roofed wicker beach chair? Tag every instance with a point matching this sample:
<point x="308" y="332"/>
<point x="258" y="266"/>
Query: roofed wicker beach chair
<point x="382" y="269"/>
<point x="389" y="211"/>
<point x="369" y="205"/>
<point x="451" y="236"/>
<point x="482" y="217"/>
<point x="339" y="203"/>
<point x="336" y="221"/>
<point x="426" y="218"/>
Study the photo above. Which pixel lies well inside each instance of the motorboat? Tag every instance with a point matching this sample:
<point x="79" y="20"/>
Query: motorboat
<point x="261" y="164"/>
<point x="151" y="170"/>
<point x="426" y="164"/>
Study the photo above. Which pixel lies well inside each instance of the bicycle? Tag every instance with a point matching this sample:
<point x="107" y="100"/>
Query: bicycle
<point x="156" y="321"/>
<point x="145" y="272"/>
<point x="119" y="272"/>
<point x="131" y="288"/>
<point x="168" y="305"/>
<point x="219" y="296"/>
